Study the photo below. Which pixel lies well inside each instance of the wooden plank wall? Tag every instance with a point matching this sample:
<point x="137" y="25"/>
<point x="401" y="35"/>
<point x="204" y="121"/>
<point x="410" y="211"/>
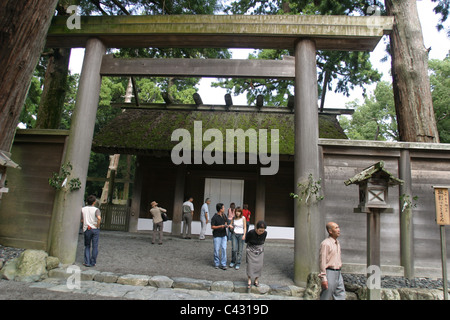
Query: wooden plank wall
<point x="159" y="177"/>
<point x="26" y="210"/>
<point x="279" y="204"/>
<point x="429" y="167"/>
<point x="341" y="161"/>
<point x="158" y="184"/>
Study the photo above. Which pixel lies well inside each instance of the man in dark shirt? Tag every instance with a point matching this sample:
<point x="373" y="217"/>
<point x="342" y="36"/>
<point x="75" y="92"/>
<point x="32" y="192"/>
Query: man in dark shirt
<point x="219" y="226"/>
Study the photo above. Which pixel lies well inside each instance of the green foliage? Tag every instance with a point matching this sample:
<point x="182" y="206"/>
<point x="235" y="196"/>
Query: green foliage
<point x="342" y="7"/>
<point x="375" y="119"/>
<point x="406" y="202"/>
<point x="60" y="180"/>
<point x="348" y="70"/>
<point x="312" y="188"/>
<point x="440" y="86"/>
<point x="114" y="7"/>
<point x="69" y="101"/>
<point x="276" y="92"/>
<point x="27" y="115"/>
<point x="338" y="70"/>
<point x="442" y="8"/>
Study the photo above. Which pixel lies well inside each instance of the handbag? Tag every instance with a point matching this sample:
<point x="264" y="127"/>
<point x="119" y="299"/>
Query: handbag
<point x="164" y="216"/>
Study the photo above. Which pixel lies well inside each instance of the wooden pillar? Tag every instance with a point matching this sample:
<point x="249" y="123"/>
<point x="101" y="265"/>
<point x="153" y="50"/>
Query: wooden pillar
<point x="373" y="248"/>
<point x="63" y="237"/>
<point x="136" y="199"/>
<point x="178" y="200"/>
<point x="406" y="218"/>
<point x="260" y="207"/>
<point x="373" y="238"/>
<point x="307" y="219"/>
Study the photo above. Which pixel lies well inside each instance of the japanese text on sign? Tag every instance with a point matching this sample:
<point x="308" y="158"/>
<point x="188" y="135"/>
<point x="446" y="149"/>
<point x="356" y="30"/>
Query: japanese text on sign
<point x="442" y="206"/>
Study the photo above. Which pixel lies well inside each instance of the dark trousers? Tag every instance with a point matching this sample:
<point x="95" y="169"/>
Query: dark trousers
<point x="91" y="240"/>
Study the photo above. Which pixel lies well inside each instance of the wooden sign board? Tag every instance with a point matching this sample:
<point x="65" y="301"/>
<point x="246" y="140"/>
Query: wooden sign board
<point x="442" y="205"/>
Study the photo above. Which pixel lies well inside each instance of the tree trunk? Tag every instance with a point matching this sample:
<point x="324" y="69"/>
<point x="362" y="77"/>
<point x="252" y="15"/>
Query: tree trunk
<point x="411" y="84"/>
<point x="326" y="80"/>
<point x="55" y="87"/>
<point x="53" y="95"/>
<point x="23" y="29"/>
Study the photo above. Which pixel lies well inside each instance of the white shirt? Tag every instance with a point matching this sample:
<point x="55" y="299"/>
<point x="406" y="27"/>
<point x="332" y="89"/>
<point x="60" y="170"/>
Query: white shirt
<point x="239" y="225"/>
<point x="90" y="214"/>
<point x="190" y="204"/>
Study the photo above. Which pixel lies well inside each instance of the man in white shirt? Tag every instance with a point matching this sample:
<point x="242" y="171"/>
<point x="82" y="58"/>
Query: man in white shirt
<point x="91" y="217"/>
<point x="204" y="218"/>
<point x="188" y="213"/>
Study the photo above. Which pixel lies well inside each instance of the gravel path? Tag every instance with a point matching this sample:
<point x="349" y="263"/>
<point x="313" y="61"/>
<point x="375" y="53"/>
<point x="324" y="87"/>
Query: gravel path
<point x="133" y="253"/>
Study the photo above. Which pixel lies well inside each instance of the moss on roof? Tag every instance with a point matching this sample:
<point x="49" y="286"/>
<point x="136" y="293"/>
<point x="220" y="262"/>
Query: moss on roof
<point x="138" y="131"/>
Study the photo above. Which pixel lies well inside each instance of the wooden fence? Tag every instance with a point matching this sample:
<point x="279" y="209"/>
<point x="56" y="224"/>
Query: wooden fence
<point x="115" y="217"/>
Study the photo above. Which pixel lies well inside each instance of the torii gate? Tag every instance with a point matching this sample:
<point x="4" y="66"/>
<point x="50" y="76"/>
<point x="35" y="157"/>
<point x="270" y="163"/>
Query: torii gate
<point x="304" y="34"/>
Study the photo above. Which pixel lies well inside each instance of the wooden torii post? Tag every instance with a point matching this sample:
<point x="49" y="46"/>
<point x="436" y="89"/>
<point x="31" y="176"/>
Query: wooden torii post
<point x="304" y="34"/>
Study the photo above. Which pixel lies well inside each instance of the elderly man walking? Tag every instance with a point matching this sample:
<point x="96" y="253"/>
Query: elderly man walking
<point x="330" y="265"/>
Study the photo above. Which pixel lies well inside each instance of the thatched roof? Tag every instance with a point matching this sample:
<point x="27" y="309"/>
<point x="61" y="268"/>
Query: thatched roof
<point x="377" y="169"/>
<point x="144" y="131"/>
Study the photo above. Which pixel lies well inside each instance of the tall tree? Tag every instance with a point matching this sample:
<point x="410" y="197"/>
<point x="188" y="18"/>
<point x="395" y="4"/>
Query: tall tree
<point x="411" y="84"/>
<point x="55" y="82"/>
<point x="440" y="86"/>
<point x="23" y="27"/>
<point x="338" y="70"/>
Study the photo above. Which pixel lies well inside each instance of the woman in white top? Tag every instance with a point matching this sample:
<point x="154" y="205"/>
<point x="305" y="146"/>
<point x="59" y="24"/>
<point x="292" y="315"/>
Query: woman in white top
<point x="239" y="225"/>
<point x="230" y="217"/>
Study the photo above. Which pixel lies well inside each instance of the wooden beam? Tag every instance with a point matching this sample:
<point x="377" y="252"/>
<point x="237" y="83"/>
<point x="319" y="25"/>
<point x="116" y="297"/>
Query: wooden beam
<point x="217" y="68"/>
<point x="223" y="31"/>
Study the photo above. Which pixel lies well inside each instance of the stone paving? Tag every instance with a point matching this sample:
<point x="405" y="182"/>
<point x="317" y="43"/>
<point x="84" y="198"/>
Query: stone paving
<point x="131" y="286"/>
<point x="128" y="264"/>
<point x="130" y="267"/>
<point x="142" y="287"/>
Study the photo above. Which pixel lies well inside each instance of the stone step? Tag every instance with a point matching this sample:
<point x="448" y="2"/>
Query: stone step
<point x="161" y="282"/>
